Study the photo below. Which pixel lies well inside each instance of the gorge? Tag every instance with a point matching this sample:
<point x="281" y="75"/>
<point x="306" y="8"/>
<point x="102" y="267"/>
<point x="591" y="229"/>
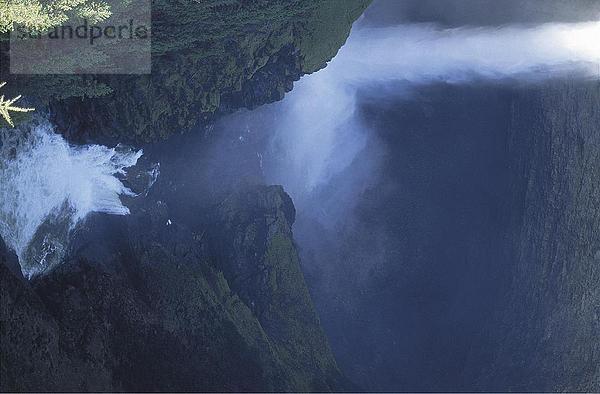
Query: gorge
<point x="437" y="227"/>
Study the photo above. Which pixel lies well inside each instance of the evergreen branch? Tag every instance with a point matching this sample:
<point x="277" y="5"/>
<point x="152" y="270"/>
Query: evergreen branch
<point x="6" y="106"/>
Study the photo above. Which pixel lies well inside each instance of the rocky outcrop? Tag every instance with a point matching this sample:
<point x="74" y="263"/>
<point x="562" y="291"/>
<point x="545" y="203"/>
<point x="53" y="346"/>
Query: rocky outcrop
<point x="258" y="258"/>
<point x="145" y="304"/>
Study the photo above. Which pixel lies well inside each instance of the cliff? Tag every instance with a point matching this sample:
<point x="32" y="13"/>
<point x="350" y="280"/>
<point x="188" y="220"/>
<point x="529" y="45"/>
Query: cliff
<point x="147" y="303"/>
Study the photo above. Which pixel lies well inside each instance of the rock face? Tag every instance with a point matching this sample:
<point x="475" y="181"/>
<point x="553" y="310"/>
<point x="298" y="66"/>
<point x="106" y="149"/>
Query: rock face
<point x="258" y="258"/>
<point x="155" y="306"/>
<point x="545" y="333"/>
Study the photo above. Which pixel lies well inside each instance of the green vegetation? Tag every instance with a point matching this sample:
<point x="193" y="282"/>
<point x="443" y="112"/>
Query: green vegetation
<point x="42" y="15"/>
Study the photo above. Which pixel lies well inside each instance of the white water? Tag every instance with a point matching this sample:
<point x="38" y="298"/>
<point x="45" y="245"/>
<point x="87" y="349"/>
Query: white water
<point x="319" y="133"/>
<point x="42" y="178"/>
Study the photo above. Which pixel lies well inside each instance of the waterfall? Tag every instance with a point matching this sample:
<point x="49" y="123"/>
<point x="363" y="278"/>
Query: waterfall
<point x="48" y="186"/>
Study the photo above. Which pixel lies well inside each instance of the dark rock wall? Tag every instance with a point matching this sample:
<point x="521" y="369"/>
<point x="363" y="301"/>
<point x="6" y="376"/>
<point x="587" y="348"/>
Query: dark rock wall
<point x="546" y="335"/>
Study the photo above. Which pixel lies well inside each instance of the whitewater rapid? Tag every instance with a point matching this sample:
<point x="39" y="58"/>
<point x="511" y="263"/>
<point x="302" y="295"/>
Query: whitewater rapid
<point x="48" y="186"/>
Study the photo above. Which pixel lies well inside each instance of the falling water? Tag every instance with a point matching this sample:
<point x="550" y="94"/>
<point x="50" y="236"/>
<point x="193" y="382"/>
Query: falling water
<point x="47" y="187"/>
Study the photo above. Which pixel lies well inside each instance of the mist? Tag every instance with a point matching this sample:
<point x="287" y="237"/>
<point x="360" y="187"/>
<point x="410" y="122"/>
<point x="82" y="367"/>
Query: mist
<point x="319" y="133"/>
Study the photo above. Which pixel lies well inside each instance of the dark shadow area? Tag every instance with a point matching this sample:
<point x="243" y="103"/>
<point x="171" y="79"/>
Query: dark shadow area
<point x="456" y="13"/>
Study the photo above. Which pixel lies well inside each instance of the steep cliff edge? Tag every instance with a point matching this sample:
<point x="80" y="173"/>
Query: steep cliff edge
<point x="144" y="304"/>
